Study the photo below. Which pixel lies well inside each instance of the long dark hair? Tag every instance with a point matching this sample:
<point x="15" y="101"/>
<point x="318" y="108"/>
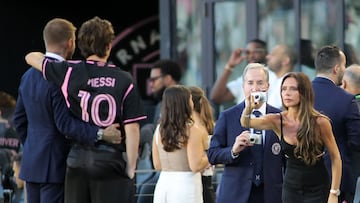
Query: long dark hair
<point x="175" y="117"/>
<point x="310" y="144"/>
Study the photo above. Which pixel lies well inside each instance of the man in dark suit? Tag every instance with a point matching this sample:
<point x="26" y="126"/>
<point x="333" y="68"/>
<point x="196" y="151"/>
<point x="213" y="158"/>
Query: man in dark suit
<point x="241" y="181"/>
<point x="341" y="108"/>
<point x="351" y="84"/>
<point x="44" y="122"/>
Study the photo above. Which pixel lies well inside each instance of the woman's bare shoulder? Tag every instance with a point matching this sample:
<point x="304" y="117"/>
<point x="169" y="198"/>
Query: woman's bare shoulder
<point x="322" y="120"/>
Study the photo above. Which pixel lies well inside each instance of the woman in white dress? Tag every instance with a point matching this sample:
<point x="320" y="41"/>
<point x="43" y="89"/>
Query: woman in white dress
<point x="179" y="149"/>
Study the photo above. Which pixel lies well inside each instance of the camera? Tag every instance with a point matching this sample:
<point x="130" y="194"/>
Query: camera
<point x="259" y="97"/>
<point x="255" y="138"/>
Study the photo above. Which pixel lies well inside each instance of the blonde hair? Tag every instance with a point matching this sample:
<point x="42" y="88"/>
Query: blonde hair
<point x="58" y="31"/>
<point x="203" y="107"/>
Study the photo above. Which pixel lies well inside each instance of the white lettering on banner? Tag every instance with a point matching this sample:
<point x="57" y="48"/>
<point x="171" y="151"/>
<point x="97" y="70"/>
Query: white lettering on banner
<point x="11" y="142"/>
<point x="137" y="42"/>
<point x="137" y="46"/>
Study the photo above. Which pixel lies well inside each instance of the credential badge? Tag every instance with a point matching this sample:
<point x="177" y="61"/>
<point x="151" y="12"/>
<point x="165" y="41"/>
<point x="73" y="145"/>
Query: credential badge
<point x="276" y="148"/>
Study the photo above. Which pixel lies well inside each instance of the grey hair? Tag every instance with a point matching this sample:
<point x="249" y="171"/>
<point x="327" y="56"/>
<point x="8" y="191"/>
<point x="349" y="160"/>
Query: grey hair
<point x="256" y="66"/>
<point x="353" y="73"/>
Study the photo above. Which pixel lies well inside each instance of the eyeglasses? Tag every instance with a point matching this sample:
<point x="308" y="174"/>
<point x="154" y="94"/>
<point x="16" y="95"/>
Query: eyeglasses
<point x="153" y="79"/>
<point x="255" y="51"/>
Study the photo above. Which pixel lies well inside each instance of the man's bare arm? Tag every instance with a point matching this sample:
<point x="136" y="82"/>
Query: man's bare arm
<point x="132" y="140"/>
<point x="35" y="59"/>
<point x="220" y="93"/>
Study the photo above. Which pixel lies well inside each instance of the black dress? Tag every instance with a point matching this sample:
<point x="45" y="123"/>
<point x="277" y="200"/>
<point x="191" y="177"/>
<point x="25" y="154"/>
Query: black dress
<point x="302" y="182"/>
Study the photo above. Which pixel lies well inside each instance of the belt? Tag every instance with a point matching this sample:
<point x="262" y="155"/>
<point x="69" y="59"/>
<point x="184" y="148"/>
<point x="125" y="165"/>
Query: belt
<point x="101" y="147"/>
<point x="105" y="148"/>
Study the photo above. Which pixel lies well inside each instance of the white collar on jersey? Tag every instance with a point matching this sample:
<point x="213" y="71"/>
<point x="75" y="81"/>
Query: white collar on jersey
<point x="55" y="56"/>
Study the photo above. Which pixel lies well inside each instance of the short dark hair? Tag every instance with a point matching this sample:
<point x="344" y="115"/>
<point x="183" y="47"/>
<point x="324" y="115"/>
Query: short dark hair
<point x="169" y="67"/>
<point x="7" y="104"/>
<point x="326" y="58"/>
<point x="260" y="43"/>
<point x="58" y="31"/>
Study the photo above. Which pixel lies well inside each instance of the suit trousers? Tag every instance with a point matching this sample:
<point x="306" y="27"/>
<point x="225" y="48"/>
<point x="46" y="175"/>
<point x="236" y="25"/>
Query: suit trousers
<point x="44" y="192"/>
<point x="256" y="194"/>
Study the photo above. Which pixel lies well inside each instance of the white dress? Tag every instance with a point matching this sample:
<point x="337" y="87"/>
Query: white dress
<point x="176" y="186"/>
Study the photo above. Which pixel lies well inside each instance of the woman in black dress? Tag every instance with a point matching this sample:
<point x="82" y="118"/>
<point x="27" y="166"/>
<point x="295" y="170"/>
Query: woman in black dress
<point x="306" y="137"/>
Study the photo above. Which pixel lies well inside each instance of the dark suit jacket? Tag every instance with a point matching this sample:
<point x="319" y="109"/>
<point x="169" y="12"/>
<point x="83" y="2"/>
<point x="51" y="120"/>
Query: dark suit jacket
<point x="236" y="181"/>
<point x="342" y="109"/>
<point x="41" y="119"/>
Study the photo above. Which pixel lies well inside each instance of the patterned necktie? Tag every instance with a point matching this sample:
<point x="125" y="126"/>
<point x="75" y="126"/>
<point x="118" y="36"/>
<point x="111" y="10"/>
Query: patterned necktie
<point x="257" y="113"/>
<point x="258" y="155"/>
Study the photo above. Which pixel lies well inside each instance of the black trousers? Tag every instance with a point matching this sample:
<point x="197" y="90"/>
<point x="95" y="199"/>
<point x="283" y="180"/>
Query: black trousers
<point x="97" y="175"/>
<point x="208" y="189"/>
<point x="82" y="188"/>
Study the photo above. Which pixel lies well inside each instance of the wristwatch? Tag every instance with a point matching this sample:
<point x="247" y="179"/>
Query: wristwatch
<point x="99" y="134"/>
<point x="335" y="192"/>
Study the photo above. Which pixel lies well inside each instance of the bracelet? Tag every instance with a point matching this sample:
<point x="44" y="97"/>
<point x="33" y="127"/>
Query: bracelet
<point x="228" y="68"/>
<point x="248" y="117"/>
<point x="335" y="192"/>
